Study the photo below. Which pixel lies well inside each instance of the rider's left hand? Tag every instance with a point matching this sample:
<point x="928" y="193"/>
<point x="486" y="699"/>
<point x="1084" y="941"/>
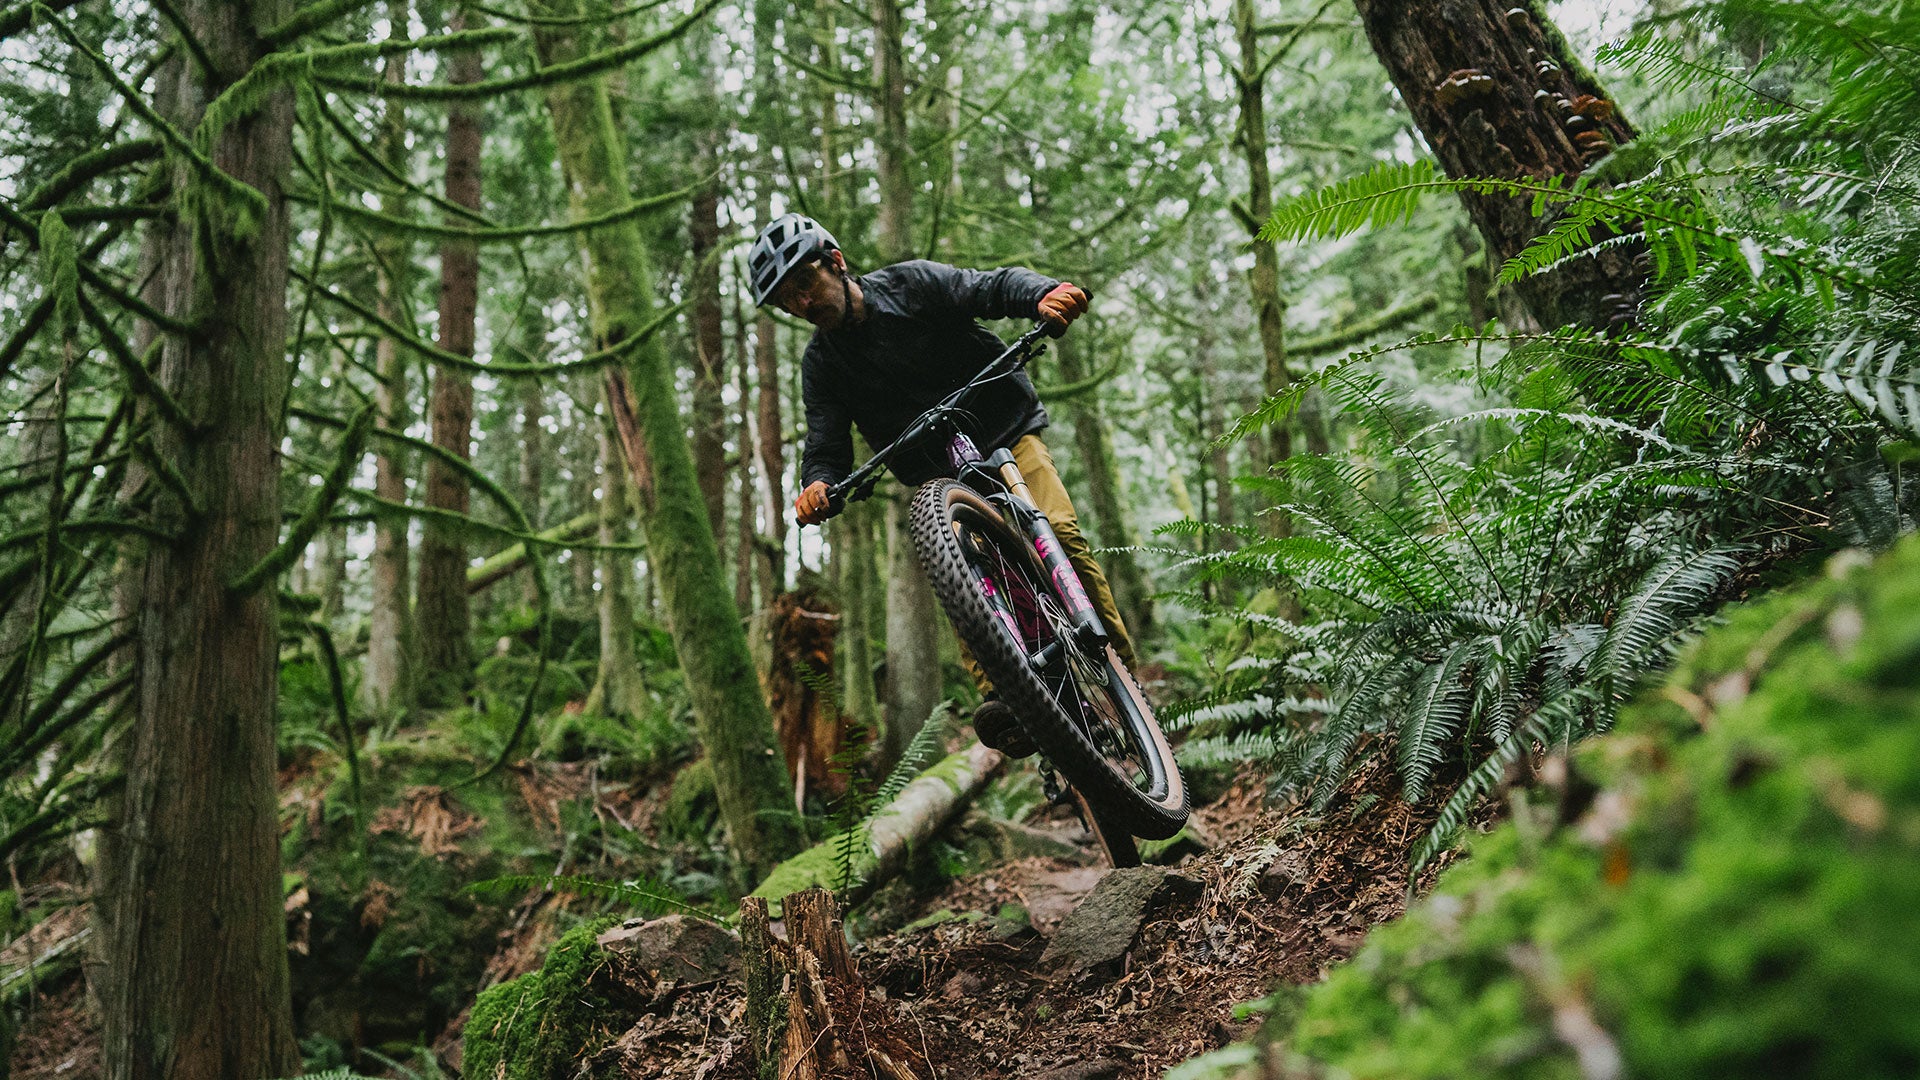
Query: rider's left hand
<point x="1064" y="304"/>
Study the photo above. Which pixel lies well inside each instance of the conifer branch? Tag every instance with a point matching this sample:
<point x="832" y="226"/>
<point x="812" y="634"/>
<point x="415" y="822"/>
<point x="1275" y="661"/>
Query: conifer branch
<point x="332" y="486"/>
<point x="566" y="20"/>
<point x="571" y="71"/>
<point x="490" y="234"/>
<point x="499" y="367"/>
<point x="249" y="93"/>
<point x="308" y="19"/>
<point x="393" y="175"/>
<point x="136" y="368"/>
<point x="252" y="200"/>
<point x="167" y="474"/>
<point x="78" y="172"/>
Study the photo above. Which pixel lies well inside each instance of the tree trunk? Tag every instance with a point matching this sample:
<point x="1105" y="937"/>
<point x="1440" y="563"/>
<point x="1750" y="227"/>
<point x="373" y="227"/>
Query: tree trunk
<point x="744" y="556"/>
<point x="683" y="559"/>
<point x="807" y="1007"/>
<point x="618" y="690"/>
<point x="1497" y="92"/>
<point x="1106" y="496"/>
<point x="913" y="680"/>
<point x="709" y="343"/>
<point x="912" y="650"/>
<point x="194" y="980"/>
<point x="1270" y="311"/>
<point x="771" y="444"/>
<point x="446" y="648"/>
<point x="858" y="578"/>
<point x="388" y="680"/>
<point x="533" y="440"/>
<point x="890" y="100"/>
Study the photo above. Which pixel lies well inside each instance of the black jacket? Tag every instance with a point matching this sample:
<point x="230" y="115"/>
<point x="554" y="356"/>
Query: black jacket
<point x="918" y="343"/>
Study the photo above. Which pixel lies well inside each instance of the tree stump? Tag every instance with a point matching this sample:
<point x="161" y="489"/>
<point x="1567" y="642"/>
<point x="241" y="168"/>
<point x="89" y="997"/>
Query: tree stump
<point x="808" y="1011"/>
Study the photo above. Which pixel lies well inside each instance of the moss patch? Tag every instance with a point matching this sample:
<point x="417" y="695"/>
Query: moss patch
<point x="537" y="1026"/>
<point x="1742" y="898"/>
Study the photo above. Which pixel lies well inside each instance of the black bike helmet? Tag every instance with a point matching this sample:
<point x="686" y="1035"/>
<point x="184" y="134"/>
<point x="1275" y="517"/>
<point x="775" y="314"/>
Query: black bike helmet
<point x="785" y="243"/>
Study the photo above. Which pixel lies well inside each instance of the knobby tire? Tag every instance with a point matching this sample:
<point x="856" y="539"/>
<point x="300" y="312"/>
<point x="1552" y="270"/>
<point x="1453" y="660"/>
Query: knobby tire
<point x="1114" y="798"/>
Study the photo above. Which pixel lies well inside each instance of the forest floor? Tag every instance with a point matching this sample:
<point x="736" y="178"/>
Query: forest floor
<point x="994" y="978"/>
<point x="992" y="972"/>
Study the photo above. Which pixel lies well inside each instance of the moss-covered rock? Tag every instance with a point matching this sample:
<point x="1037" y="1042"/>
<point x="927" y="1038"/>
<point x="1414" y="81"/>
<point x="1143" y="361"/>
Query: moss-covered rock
<point x="1742" y="898"/>
<point x="536" y="1027"/>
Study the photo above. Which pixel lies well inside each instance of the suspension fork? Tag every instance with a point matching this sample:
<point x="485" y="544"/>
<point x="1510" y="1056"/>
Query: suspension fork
<point x="1088" y="631"/>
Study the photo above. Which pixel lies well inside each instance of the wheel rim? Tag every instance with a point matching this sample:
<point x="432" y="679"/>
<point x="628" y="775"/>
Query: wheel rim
<point x="1082" y="684"/>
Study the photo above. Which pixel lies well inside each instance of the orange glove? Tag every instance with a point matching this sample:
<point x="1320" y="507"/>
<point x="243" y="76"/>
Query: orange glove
<point x="811" y="508"/>
<point x="1064" y="304"/>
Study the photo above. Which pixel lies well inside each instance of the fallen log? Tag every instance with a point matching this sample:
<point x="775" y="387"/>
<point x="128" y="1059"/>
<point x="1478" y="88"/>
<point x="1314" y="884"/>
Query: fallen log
<point x="808" y="1013"/>
<point x="856" y="862"/>
<point x="503" y="563"/>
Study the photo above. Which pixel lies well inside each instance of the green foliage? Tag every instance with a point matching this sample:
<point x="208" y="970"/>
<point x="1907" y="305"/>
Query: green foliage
<point x="536" y="1027"/>
<point x="1738" y="901"/>
<point x="1481" y="584"/>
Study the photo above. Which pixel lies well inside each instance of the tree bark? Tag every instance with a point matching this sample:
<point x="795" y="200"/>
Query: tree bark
<point x="1269" y="310"/>
<point x="388" y="680"/>
<point x="446" y="648"/>
<point x="709" y="342"/>
<point x="684" y="560"/>
<point x="768" y="425"/>
<point x="913" y="681"/>
<point x="858" y="580"/>
<point x="1497" y="92"/>
<point x="807" y="1007"/>
<point x="618" y="689"/>
<point x="194" y="981"/>
<point x="912" y="650"/>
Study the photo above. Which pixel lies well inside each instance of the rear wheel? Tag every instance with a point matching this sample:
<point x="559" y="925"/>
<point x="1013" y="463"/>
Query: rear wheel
<point x="1080" y="707"/>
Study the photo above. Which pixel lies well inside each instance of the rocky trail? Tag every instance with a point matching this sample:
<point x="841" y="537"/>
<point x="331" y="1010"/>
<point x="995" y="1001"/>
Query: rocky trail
<point x="1052" y="967"/>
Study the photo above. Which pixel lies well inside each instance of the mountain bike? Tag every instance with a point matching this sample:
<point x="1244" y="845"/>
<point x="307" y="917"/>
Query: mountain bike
<point x="1014" y="598"/>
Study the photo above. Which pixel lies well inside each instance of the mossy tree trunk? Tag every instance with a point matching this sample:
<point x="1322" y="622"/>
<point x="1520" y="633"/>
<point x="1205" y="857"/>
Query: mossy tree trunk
<point x="445" y="627"/>
<point x="618" y="690"/>
<point x="388" y="681"/>
<point x="1269" y="310"/>
<point x="684" y="561"/>
<point x="1497" y="92"/>
<point x="709" y="335"/>
<point x="194" y="980"/>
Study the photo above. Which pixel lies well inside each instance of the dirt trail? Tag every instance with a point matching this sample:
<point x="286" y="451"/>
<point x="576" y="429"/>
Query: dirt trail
<point x="1280" y="897"/>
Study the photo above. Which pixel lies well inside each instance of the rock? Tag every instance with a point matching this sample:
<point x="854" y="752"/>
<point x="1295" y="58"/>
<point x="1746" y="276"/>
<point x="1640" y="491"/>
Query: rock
<point x="1288" y="871"/>
<point x="1101" y="1069"/>
<point x="1104" y="926"/>
<point x="674" y="949"/>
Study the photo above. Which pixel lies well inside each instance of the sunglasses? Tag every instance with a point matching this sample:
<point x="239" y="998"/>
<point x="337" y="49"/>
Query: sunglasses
<point x="797" y="283"/>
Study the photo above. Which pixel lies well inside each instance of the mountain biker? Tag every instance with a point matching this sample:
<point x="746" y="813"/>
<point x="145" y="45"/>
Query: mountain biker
<point x="887" y="346"/>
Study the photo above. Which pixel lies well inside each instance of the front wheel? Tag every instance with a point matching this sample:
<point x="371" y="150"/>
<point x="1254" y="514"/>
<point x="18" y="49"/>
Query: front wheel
<point x="1081" y="708"/>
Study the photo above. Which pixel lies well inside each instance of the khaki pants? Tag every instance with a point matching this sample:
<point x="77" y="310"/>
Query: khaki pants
<point x="1050" y="495"/>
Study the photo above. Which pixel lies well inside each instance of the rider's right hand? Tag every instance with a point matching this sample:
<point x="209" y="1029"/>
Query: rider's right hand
<point x="812" y="507"/>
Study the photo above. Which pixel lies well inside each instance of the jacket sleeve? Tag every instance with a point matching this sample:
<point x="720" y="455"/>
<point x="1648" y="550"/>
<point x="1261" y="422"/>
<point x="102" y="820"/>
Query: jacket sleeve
<point x="1011" y="292"/>
<point x="828" y="452"/>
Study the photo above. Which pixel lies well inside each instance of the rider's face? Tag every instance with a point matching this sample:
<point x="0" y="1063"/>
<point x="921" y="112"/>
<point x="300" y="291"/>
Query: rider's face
<point x="814" y="292"/>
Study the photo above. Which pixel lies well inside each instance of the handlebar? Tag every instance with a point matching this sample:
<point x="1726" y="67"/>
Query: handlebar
<point x="861" y="483"/>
